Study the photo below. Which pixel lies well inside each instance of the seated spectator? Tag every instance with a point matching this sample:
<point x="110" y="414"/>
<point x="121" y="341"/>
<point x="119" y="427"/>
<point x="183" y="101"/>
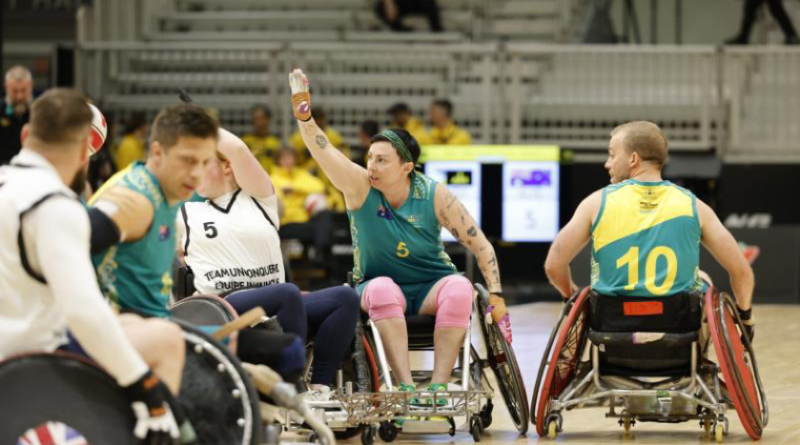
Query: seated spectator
<point x="263" y="144"/>
<point x="400" y="116"/>
<point x="304" y="203"/>
<point x="444" y="131"/>
<point x="365" y="132"/>
<point x="392" y="12"/>
<point x="132" y="146"/>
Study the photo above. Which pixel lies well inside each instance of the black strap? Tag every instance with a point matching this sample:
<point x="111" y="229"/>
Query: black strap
<point x="186" y="224"/>
<point x="23" y="253"/>
<point x="264" y="212"/>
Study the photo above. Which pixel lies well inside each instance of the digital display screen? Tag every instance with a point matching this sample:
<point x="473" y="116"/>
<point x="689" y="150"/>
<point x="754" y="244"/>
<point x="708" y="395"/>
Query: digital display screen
<point x="463" y="179"/>
<point x="530" y="201"/>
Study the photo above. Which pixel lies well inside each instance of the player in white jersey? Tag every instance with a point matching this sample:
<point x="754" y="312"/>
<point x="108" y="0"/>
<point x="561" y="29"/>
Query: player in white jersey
<point x="47" y="281"/>
<point x="231" y="242"/>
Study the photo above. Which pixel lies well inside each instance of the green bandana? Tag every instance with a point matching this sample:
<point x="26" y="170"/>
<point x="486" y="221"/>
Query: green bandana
<point x="397" y="142"/>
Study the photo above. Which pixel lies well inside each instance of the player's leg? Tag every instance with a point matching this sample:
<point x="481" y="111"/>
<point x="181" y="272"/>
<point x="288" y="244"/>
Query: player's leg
<point x="332" y="314"/>
<point x="385" y="303"/>
<point x="450" y="300"/>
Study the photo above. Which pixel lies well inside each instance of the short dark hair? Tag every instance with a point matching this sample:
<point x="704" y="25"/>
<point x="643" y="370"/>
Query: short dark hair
<point x="370" y="127"/>
<point x="411" y="143"/>
<point x="446" y="104"/>
<point x="61" y="115"/>
<point x="262" y="108"/>
<point x="400" y="107"/>
<point x="181" y="120"/>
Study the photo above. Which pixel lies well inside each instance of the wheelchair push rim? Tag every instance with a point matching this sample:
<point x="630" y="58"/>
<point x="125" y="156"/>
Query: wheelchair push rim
<point x="245" y="429"/>
<point x="504" y="364"/>
<point x="737" y="363"/>
<point x="204" y="310"/>
<point x="564" y="358"/>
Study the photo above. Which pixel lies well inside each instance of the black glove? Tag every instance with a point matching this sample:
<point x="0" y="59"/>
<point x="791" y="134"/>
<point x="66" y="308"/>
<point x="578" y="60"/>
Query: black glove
<point x="748" y="323"/>
<point x="155" y="423"/>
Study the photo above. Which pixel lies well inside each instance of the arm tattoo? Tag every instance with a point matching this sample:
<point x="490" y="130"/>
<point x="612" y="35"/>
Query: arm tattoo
<point x="450" y="200"/>
<point x="445" y="219"/>
<point x="454" y="231"/>
<point x="322" y="142"/>
<point x="472" y="231"/>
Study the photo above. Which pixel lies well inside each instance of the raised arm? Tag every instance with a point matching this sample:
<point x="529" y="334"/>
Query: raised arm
<point x="247" y="171"/>
<point x="348" y="177"/>
<point x="568" y="243"/>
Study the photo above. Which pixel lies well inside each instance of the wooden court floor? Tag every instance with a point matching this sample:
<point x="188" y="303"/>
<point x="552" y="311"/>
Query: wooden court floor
<point x="777" y="344"/>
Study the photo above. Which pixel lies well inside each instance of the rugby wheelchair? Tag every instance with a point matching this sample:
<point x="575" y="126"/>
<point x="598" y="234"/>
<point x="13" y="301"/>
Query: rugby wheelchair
<point x="65" y="396"/>
<point x="372" y="409"/>
<point x="647" y="357"/>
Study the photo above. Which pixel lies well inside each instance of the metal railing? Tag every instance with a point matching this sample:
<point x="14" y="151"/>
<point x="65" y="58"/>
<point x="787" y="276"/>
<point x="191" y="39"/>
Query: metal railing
<point x="741" y="102"/>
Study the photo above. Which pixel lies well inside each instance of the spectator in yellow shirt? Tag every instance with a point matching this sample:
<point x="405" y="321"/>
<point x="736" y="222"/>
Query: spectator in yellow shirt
<point x="400" y="116"/>
<point x="132" y="146"/>
<point x="263" y="144"/>
<point x="444" y="130"/>
<point x="305" y="215"/>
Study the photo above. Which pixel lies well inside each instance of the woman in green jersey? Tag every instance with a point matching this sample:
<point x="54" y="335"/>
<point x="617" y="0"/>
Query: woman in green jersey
<point x="396" y="215"/>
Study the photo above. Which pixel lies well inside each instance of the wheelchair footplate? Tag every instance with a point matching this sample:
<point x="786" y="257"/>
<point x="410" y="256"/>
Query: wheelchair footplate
<point x="414" y="410"/>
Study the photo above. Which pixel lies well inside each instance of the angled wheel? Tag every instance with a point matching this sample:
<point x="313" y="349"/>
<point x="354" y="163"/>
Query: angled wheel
<point x="217" y="394"/>
<point x="504" y="364"/>
<point x="62" y="390"/>
<point x="561" y="358"/>
<point x="737" y="362"/>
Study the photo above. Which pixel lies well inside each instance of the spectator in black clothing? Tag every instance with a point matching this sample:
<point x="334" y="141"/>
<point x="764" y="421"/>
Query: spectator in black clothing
<point x="18" y="86"/>
<point x="749" y="19"/>
<point x="392" y="13"/>
<point x="365" y="132"/>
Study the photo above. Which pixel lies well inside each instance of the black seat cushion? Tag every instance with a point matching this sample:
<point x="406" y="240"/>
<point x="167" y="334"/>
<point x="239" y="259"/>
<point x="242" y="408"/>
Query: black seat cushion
<point x="420" y="330"/>
<point x="644" y="353"/>
<point x="678" y="313"/>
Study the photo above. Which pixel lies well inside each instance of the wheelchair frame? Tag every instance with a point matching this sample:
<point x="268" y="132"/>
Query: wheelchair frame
<point x="702" y="389"/>
<point x="373" y="412"/>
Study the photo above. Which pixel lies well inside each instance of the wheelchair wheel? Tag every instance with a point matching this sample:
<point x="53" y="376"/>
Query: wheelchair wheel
<point x="204" y="310"/>
<point x="362" y="370"/>
<point x="737" y="362"/>
<point x="504" y="364"/>
<point x="217" y="393"/>
<point x="564" y="350"/>
<point x="64" y="388"/>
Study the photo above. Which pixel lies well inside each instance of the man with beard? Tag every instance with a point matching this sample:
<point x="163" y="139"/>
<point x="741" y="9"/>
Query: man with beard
<point x="18" y="85"/>
<point x="50" y="299"/>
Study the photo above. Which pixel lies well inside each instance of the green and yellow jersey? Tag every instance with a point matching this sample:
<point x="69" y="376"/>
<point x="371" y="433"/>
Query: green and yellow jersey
<point x="646" y="240"/>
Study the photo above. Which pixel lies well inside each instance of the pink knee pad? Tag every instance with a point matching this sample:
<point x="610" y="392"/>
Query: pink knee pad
<point x="383" y="299"/>
<point x="454" y="302"/>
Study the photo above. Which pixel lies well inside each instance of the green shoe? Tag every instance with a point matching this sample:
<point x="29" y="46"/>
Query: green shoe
<point x="436" y="387"/>
<point x="406" y="387"/>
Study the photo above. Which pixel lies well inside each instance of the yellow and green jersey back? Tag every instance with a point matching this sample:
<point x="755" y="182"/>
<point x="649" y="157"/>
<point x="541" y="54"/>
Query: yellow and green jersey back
<point x="646" y="240"/>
